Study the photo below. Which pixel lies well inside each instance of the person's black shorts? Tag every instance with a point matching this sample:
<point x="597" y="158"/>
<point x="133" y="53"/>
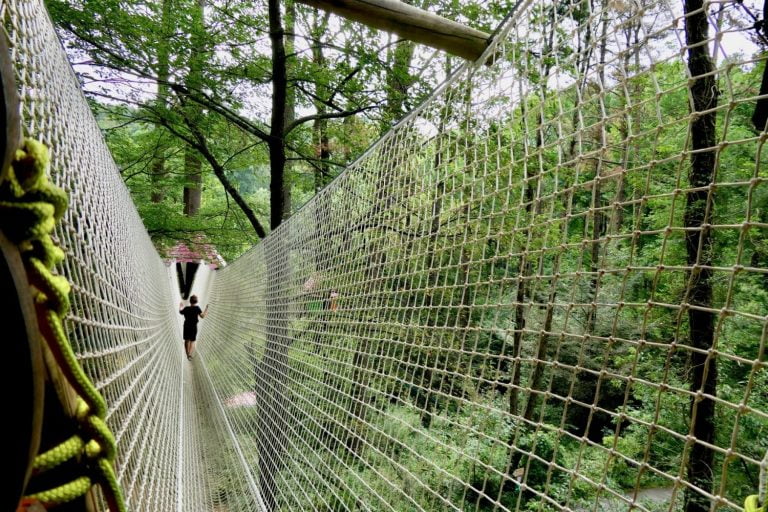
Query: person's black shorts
<point x="190" y="332"/>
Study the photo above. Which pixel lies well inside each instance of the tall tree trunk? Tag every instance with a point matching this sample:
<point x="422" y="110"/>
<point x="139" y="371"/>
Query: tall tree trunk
<point x="698" y="243"/>
<point x="192" y="160"/>
<point x="533" y="208"/>
<point x="399" y="81"/>
<point x="322" y="151"/>
<point x="290" y="99"/>
<point x="630" y="28"/>
<point x="277" y="127"/>
<point x="526" y="269"/>
<point x="192" y="189"/>
<point x="537" y="374"/>
<point x="426" y="402"/>
<point x="598" y="217"/>
<point x="157" y="167"/>
<point x="526" y="265"/>
<point x="272" y="370"/>
<point x="320" y="126"/>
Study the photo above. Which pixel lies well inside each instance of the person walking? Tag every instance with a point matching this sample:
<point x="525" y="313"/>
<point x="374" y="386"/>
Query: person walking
<point x="191" y="314"/>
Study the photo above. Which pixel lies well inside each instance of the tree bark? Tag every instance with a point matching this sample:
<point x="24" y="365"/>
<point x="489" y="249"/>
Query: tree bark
<point x="272" y="370"/>
<point x="289" y="115"/>
<point x="526" y="266"/>
<point x="598" y="217"/>
<point x="157" y="167"/>
<point x="532" y="208"/>
<point x="276" y="140"/>
<point x="193" y="188"/>
<point x="698" y="243"/>
<point x="320" y="125"/>
<point x="192" y="163"/>
<point x="398" y="80"/>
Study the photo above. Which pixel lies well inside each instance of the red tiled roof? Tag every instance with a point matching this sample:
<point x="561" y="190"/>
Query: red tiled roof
<point x="200" y="251"/>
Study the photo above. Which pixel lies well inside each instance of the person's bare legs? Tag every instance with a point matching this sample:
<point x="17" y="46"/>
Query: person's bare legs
<point x="188" y="348"/>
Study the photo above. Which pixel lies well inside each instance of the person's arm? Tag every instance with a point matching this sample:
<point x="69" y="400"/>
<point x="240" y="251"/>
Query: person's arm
<point x="181" y="308"/>
<point x="202" y="315"/>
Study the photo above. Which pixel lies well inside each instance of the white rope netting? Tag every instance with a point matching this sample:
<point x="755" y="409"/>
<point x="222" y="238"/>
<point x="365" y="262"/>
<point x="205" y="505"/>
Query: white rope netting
<point x="122" y="324"/>
<point x="492" y="309"/>
<point x="545" y="289"/>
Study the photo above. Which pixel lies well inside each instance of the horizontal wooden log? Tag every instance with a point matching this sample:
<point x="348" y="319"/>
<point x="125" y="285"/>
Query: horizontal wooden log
<point x="410" y="23"/>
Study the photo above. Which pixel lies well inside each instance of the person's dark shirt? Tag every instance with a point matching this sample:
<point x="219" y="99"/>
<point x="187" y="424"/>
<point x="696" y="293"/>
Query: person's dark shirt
<point x="191" y="314"/>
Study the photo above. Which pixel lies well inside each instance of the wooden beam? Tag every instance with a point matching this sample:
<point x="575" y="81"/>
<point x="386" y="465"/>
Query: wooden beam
<point x="23" y="373"/>
<point x="9" y="108"/>
<point x="410" y="23"/>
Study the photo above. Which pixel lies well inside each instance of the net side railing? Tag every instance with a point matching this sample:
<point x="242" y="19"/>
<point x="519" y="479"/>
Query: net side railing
<point x="123" y="323"/>
<point x="545" y="289"/>
<point x="222" y="467"/>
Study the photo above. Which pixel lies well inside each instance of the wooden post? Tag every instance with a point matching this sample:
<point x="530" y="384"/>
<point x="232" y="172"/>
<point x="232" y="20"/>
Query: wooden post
<point x="23" y="373"/>
<point x="9" y="108"/>
<point x="410" y="23"/>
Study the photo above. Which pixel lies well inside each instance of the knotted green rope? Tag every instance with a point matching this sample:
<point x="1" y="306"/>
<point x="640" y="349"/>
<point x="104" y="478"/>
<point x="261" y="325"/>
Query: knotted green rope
<point x="69" y="449"/>
<point x="30" y="206"/>
<point x="752" y="504"/>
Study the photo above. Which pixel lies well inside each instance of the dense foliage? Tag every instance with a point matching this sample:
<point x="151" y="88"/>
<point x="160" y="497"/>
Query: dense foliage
<point x="184" y="90"/>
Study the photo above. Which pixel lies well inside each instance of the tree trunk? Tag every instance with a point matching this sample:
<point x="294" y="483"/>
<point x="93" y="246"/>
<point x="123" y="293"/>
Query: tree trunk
<point x="272" y="373"/>
<point x="277" y="128"/>
<point x="192" y="189"/>
<point x="192" y="161"/>
<point x="157" y="167"/>
<point x="272" y="370"/>
<point x="517" y="337"/>
<point x="427" y="402"/>
<point x="537" y="375"/>
<point x="698" y="243"/>
<point x="533" y="208"/>
<point x="598" y="217"/>
<point x="320" y="126"/>
<point x="322" y="151"/>
<point x="290" y="100"/>
<point x="398" y="80"/>
<point x="526" y="266"/>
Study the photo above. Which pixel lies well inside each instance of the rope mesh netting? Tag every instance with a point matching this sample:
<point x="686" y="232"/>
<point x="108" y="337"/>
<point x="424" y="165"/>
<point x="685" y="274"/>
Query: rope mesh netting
<point x="122" y="323"/>
<point x="545" y="289"/>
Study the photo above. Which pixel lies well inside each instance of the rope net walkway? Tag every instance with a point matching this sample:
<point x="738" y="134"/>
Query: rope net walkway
<point x="545" y="289"/>
<point x="122" y="321"/>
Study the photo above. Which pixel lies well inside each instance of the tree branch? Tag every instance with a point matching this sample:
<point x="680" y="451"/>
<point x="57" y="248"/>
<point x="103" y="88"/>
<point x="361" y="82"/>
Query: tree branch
<point x="201" y="146"/>
<point x="327" y="115"/>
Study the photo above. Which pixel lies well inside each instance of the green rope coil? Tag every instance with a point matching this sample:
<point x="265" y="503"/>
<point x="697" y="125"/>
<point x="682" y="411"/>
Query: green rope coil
<point x="30" y="206"/>
<point x="64" y="493"/>
<point x="59" y="454"/>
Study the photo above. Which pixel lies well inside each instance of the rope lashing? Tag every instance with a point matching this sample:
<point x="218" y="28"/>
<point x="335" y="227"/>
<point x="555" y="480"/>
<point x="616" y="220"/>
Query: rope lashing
<point x="30" y="206"/>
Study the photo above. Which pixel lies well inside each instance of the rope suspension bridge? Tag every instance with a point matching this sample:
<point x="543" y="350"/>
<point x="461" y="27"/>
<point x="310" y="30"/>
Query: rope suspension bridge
<point x="544" y="289"/>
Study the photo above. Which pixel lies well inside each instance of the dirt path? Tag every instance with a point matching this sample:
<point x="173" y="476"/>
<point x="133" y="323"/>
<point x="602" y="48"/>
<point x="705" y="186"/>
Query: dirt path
<point x="648" y="499"/>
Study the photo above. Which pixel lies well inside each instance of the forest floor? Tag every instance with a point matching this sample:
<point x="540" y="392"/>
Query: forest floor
<point x="648" y="497"/>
